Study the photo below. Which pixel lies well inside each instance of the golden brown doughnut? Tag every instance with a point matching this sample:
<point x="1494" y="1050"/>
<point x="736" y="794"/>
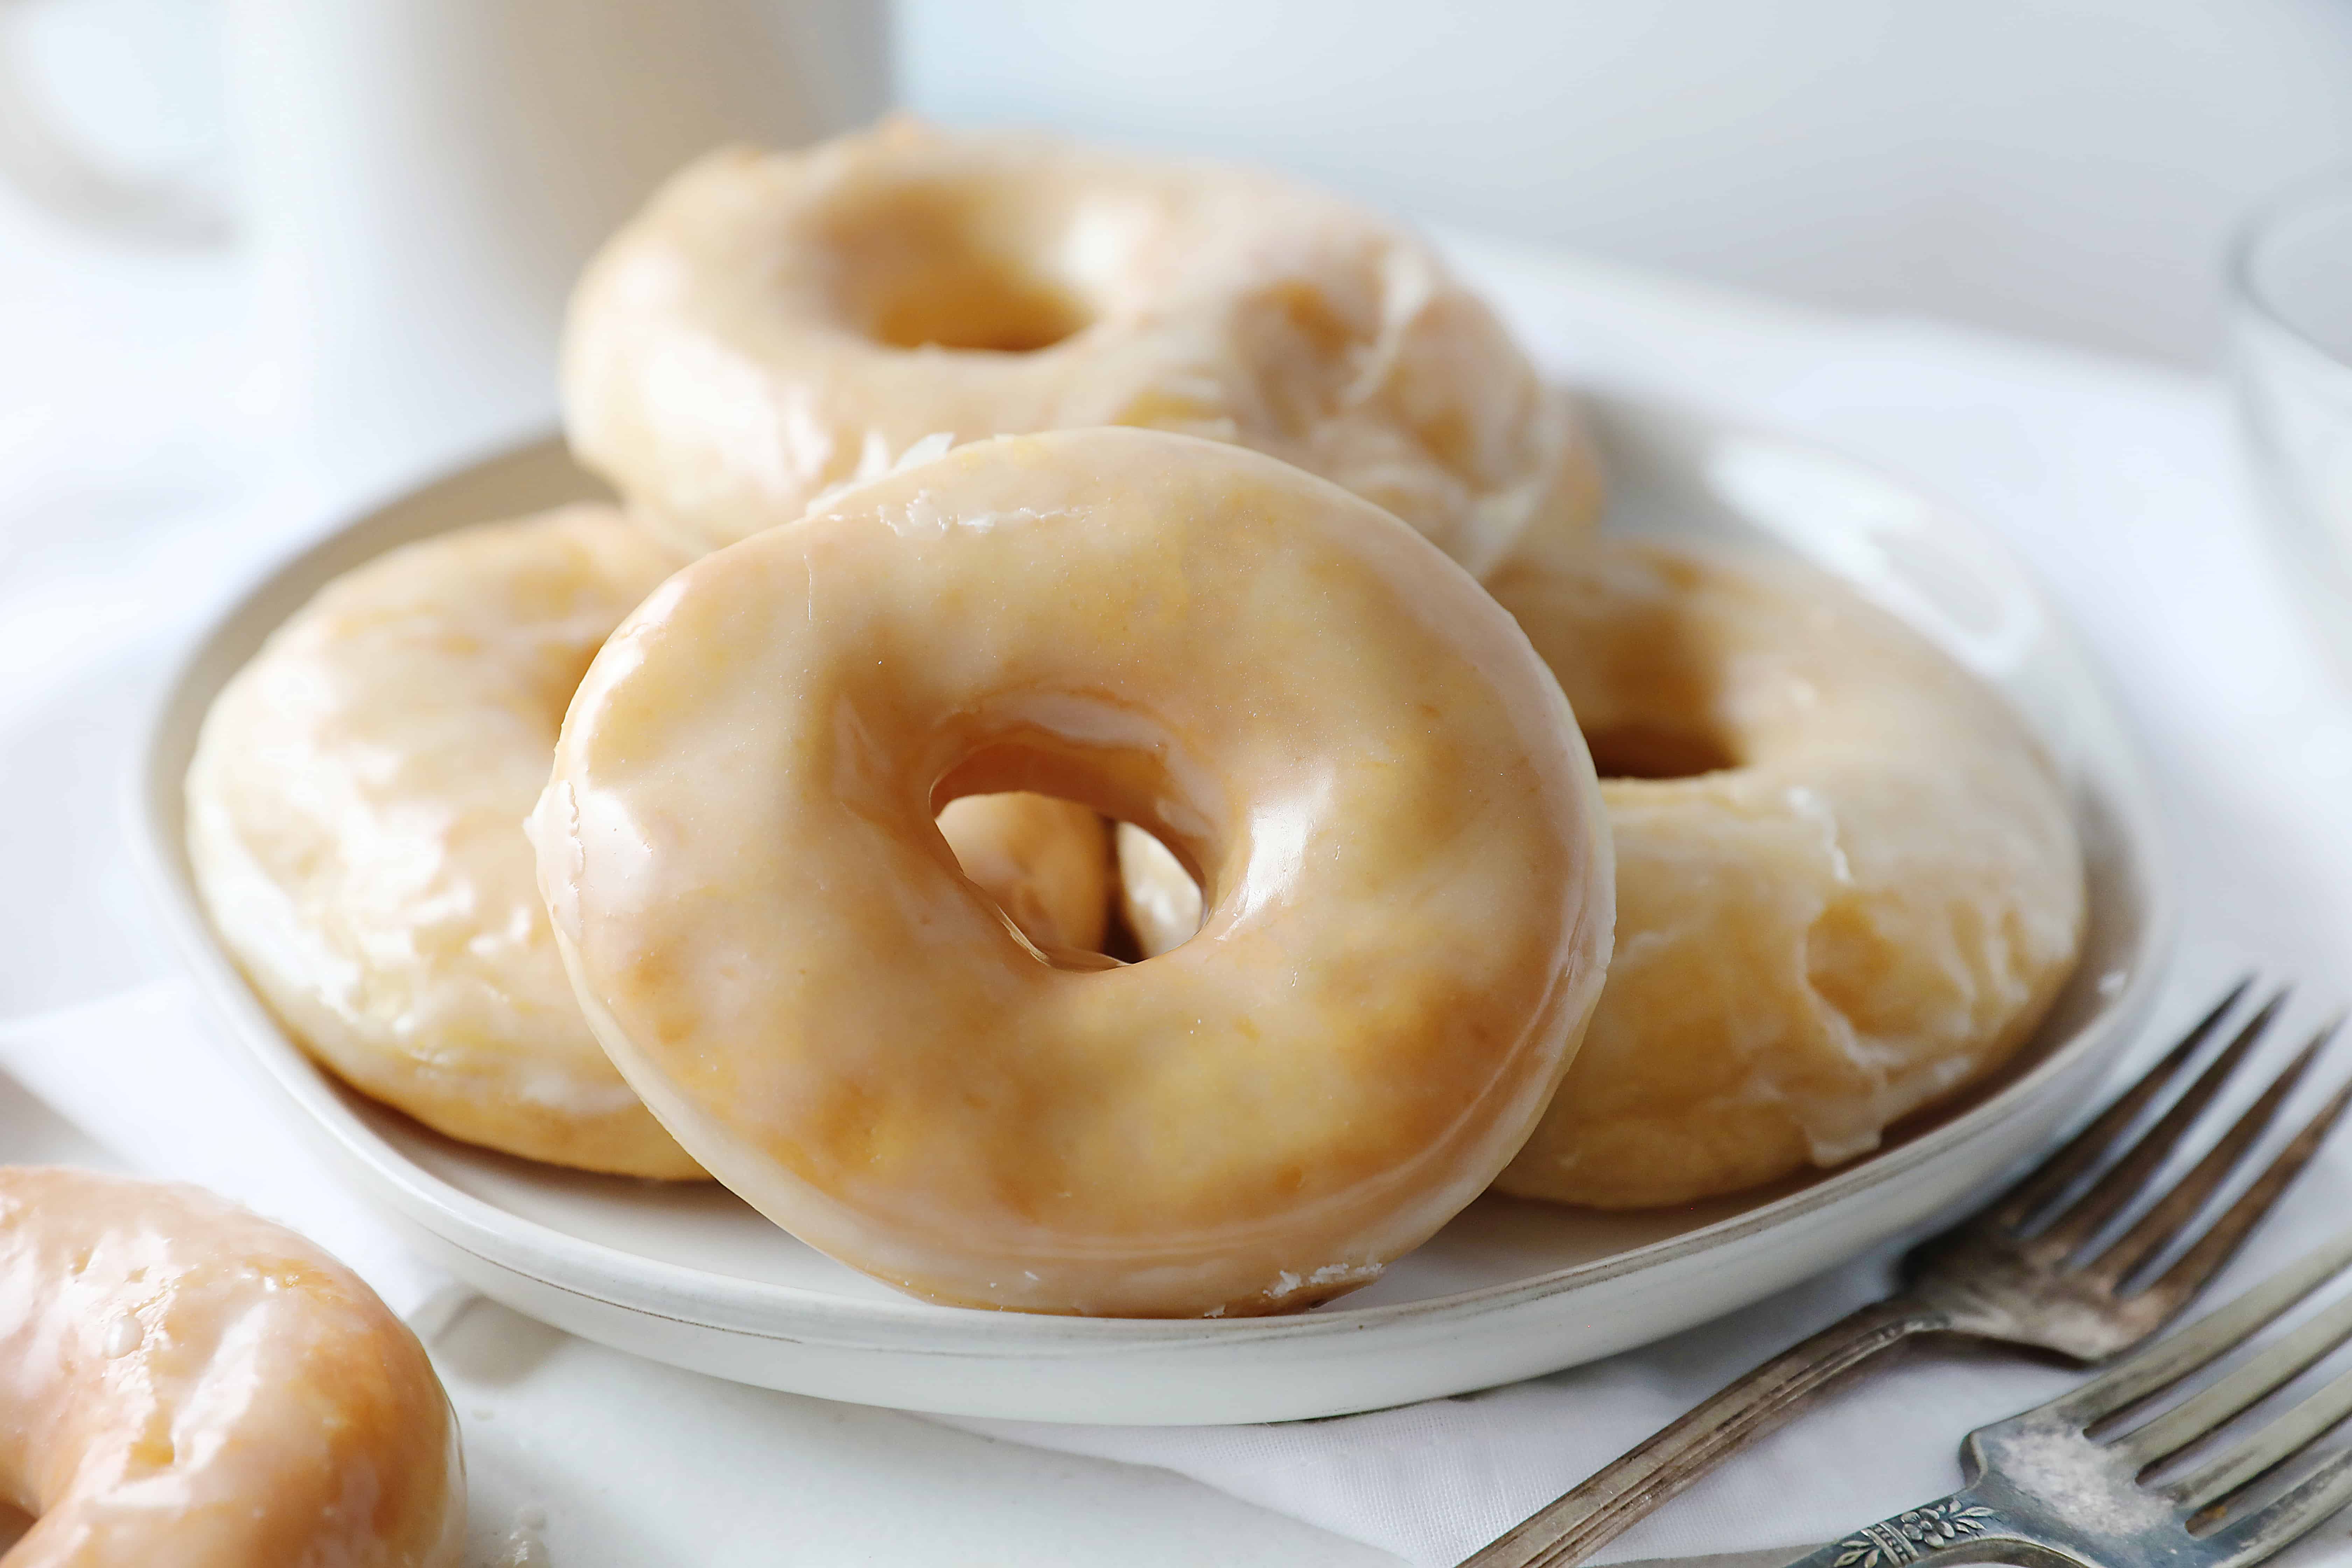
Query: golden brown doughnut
<point x="188" y="1385"/>
<point x="1157" y="895"/>
<point x="1848" y="883"/>
<point x="355" y="815"/>
<point x="1409" y="885"/>
<point x="773" y="324"/>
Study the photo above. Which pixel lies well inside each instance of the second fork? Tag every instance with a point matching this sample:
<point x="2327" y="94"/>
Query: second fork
<point x="2046" y="1485"/>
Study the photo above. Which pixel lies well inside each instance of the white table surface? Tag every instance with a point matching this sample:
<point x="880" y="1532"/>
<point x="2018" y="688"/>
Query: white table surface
<point x="130" y="439"/>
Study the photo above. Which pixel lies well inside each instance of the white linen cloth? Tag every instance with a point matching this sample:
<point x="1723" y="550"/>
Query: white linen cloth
<point x="2115" y="481"/>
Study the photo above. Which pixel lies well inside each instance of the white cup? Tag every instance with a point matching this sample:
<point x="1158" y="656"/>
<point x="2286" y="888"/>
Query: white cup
<point x="2291" y="293"/>
<point x="420" y="181"/>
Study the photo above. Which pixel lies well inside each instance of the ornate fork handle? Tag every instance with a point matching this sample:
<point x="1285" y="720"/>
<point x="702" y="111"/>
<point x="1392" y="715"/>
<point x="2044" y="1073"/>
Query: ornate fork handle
<point x="1962" y="1525"/>
<point x="1614" y="1498"/>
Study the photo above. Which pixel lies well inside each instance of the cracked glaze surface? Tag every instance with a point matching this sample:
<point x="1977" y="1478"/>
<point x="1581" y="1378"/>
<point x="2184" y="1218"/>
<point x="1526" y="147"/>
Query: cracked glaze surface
<point x="1866" y="904"/>
<point x="774" y="324"/>
<point x="183" y="1383"/>
<point x="1409" y="904"/>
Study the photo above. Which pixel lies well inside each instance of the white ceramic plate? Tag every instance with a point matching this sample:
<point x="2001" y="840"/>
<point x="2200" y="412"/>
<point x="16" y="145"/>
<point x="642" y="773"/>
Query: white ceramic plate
<point x="694" y="1276"/>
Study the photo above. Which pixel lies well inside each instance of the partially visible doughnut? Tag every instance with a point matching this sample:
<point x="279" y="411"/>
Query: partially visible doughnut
<point x="187" y="1384"/>
<point x="1047" y="863"/>
<point x="1157" y="895"/>
<point x="355" y="815"/>
<point x="775" y="323"/>
<point x="1376" y="777"/>
<point x="1848" y="882"/>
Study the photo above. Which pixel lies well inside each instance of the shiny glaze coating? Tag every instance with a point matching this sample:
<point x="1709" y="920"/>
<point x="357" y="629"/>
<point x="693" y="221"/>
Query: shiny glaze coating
<point x="1401" y="833"/>
<point x="183" y="1383"/>
<point x="1047" y="863"/>
<point x="1861" y="898"/>
<point x="773" y="324"/>
<point x="355" y="815"/>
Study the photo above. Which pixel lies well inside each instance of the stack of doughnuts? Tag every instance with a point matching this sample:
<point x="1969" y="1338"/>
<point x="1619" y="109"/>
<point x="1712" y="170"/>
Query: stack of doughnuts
<point x="1096" y="762"/>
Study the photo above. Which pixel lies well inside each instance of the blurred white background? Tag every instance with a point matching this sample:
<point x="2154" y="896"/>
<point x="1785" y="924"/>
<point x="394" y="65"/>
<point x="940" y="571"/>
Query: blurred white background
<point x="2068" y="168"/>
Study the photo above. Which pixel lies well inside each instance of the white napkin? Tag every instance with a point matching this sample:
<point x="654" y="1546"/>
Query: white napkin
<point x="2115" y="481"/>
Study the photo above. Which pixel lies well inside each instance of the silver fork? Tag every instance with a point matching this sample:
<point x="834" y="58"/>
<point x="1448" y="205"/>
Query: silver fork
<point x="2040" y="1484"/>
<point x="2023" y="1270"/>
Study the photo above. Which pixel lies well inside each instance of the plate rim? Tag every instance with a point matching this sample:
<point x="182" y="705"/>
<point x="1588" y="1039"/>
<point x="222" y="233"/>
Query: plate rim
<point x="2125" y="794"/>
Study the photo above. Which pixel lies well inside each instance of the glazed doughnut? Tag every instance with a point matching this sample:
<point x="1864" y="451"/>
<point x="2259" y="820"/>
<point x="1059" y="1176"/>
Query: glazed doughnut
<point x="187" y="1384"/>
<point x="354" y="822"/>
<point x="1047" y="863"/>
<point x="1409" y="882"/>
<point x="1848" y="882"/>
<point x="773" y="324"/>
<point x="1157" y="895"/>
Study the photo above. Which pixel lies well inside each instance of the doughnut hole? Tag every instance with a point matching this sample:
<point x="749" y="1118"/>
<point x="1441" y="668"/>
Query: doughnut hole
<point x="1044" y="861"/>
<point x="1658" y="718"/>
<point x="1647" y="686"/>
<point x="14" y="1523"/>
<point x="1656" y="751"/>
<point x="1050" y="805"/>
<point x="929" y="266"/>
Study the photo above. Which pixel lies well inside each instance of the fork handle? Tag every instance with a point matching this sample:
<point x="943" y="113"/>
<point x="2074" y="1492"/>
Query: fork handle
<point x="1959" y="1526"/>
<point x="1613" y="1498"/>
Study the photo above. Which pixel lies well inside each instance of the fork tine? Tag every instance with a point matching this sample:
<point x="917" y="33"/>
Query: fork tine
<point x="2189" y="1271"/>
<point x="2156" y="1229"/>
<point x="2274" y="1368"/>
<point x="2303" y="1507"/>
<point x="2075" y="1158"/>
<point x="2266" y="1450"/>
<point x="2184" y="1351"/>
<point x="2128" y="1176"/>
